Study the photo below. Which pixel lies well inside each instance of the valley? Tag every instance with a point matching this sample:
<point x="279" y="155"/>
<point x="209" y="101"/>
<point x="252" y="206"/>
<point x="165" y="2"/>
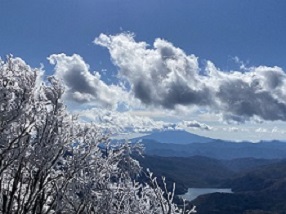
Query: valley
<point x="254" y="172"/>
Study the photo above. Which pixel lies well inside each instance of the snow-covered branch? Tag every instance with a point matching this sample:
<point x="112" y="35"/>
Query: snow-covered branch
<point x="51" y="163"/>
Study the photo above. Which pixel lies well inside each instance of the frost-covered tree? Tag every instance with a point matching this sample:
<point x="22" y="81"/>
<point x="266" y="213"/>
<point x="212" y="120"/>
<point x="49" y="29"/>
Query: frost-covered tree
<point x="52" y="163"/>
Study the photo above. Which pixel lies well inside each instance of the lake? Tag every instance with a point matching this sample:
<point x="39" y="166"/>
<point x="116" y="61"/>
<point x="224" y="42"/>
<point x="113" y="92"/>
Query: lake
<point x="193" y="193"/>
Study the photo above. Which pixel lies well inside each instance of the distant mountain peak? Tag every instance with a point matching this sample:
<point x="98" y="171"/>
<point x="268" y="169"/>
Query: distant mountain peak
<point x="175" y="137"/>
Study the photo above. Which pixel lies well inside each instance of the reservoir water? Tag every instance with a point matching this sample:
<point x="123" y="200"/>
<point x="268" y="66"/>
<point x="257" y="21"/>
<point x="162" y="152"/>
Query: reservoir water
<point x="193" y="193"/>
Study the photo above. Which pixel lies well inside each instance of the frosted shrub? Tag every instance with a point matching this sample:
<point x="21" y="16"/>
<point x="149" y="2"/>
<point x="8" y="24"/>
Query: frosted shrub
<point x="51" y="163"/>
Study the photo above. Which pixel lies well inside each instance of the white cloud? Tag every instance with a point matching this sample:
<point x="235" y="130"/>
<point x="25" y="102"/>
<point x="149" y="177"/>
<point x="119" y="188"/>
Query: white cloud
<point x="82" y="86"/>
<point x="194" y="124"/>
<point x="275" y="130"/>
<point x="121" y="122"/>
<point x="128" y="122"/>
<point x="259" y="92"/>
<point x="234" y="129"/>
<point x="261" y="130"/>
<point x="164" y="76"/>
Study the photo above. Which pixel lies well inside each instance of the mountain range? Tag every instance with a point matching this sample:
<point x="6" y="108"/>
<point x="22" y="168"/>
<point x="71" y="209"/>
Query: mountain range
<point x="174" y="137"/>
<point x="261" y="190"/>
<point x="255" y="172"/>
<point x="258" y="185"/>
<point x="185" y="144"/>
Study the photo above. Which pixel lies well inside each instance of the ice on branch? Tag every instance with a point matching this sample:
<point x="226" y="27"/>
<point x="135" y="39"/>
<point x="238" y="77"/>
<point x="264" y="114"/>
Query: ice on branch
<point x="51" y="163"/>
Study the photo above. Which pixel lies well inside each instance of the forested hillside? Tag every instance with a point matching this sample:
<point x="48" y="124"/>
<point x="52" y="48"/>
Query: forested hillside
<point x="258" y="185"/>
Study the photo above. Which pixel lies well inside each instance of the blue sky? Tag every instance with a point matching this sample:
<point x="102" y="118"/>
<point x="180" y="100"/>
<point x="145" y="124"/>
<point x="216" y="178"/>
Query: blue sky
<point x="233" y="35"/>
